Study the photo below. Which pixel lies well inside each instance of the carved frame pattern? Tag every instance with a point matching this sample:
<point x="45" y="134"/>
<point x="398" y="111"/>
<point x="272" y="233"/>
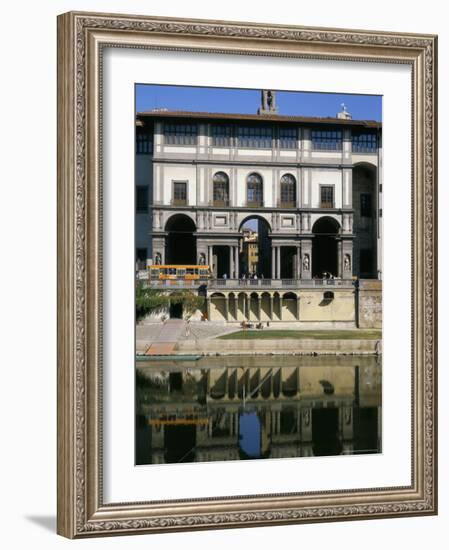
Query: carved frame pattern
<point x="81" y="37"/>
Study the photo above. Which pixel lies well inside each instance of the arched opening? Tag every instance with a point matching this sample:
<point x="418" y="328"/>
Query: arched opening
<point x="290" y="306"/>
<point x="265" y="307"/>
<point x="218" y="310"/>
<point x="255" y="255"/>
<point x="181" y="241"/>
<point x="233" y="306"/>
<point x="221" y="189"/>
<point x="254" y="307"/>
<point x="175" y="310"/>
<point x="288" y="191"/>
<point x="254" y="190"/>
<point x="324" y="247"/>
<point x="364" y="200"/>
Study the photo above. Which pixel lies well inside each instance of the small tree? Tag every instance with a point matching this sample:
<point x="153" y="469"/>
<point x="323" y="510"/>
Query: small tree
<point x="150" y="300"/>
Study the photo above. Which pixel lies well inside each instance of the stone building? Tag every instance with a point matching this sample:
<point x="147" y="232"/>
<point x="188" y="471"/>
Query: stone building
<point x="312" y="186"/>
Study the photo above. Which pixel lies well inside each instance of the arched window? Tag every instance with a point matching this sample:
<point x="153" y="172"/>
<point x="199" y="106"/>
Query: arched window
<point x="288" y="191"/>
<point x="254" y="190"/>
<point x="221" y="189"/>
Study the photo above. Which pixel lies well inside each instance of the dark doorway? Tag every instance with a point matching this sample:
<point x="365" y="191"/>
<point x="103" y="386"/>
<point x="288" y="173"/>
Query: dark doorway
<point x="222" y="255"/>
<point x="366" y="430"/>
<point x="325" y="438"/>
<point x="175" y="381"/>
<point x="324" y="247"/>
<point x="181" y="242"/>
<point x="179" y="442"/>
<point x="255" y="256"/>
<point x="175" y="311"/>
<point x="288" y="259"/>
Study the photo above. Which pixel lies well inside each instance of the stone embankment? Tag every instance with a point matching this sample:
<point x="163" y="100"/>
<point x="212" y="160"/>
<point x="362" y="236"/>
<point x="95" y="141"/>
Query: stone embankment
<point x="282" y="346"/>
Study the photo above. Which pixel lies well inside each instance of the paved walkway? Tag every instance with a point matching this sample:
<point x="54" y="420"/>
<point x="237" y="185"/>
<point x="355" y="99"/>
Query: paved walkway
<point x="167" y="337"/>
<point x="161" y="338"/>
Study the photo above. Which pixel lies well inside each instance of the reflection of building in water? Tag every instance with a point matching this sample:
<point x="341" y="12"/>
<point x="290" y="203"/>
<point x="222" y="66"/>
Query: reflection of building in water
<point x="234" y="413"/>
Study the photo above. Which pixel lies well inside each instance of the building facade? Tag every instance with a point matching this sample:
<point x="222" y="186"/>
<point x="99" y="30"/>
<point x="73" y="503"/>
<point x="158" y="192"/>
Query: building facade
<point x="310" y="186"/>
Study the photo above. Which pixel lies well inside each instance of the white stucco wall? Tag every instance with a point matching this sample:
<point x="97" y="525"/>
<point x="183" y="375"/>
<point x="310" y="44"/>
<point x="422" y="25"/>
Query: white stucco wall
<point x="326" y="177"/>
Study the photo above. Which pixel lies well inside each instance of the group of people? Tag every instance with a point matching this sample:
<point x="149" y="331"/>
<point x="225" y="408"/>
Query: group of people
<point x="254" y="276"/>
<point x="246" y="276"/>
<point x="246" y="324"/>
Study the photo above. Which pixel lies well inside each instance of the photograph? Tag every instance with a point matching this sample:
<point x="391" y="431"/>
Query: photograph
<point x="247" y="299"/>
<point x="258" y="274"/>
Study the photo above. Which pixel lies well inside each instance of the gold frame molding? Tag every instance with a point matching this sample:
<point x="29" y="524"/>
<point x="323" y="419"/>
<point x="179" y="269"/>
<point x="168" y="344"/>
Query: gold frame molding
<point x="81" y="39"/>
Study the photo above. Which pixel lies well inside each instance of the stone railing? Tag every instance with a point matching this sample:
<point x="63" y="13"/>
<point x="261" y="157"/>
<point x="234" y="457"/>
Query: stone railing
<point x="249" y="283"/>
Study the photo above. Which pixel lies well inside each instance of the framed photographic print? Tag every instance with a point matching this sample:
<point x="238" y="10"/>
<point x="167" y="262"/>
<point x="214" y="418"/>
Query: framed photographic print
<point x="247" y="274"/>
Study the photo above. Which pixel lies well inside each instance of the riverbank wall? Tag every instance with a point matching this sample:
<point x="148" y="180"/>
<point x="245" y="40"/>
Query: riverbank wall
<point x="280" y="346"/>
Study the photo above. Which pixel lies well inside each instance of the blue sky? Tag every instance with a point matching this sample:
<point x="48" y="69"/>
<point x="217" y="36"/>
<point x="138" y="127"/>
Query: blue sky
<point x="249" y="433"/>
<point x="231" y="100"/>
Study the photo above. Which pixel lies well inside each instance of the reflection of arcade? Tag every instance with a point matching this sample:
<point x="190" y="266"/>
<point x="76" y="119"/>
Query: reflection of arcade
<point x="232" y="413"/>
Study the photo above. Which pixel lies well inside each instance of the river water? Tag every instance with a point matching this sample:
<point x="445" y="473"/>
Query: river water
<point x="259" y="407"/>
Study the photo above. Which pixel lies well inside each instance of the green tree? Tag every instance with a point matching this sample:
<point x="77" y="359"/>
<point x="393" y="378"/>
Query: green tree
<point x="150" y="300"/>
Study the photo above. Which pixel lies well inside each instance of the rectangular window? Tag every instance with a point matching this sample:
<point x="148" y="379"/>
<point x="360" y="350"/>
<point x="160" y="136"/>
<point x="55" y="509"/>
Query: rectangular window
<point x="221" y="197"/>
<point x="142" y="198"/>
<point x="144" y="144"/>
<point x="326" y="196"/>
<point x="365" y="205"/>
<point x="221" y="135"/>
<point x="254" y="196"/>
<point x="288" y="195"/>
<point x="287" y="138"/>
<point x="364" y="142"/>
<point x="327" y="140"/>
<point x="180" y="134"/>
<point x="179" y="193"/>
<point x="255" y="136"/>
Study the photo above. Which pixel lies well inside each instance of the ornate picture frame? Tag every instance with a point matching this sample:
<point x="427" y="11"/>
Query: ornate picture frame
<point x="82" y="38"/>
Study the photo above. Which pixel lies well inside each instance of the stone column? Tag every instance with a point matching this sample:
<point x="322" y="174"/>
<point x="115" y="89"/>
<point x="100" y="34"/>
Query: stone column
<point x="231" y="262"/>
<point x="339" y="259"/>
<point x="280" y="308"/>
<point x="278" y="263"/>
<point x="346" y="422"/>
<point x="227" y="307"/>
<point x="209" y="256"/>
<point x="298" y="262"/>
<point x="237" y="262"/>
<point x="306" y="425"/>
<point x="209" y="427"/>
<point x="273" y="262"/>
<point x="278" y="421"/>
<point x="347" y="188"/>
<point x="297" y="307"/>
<point x="259" y="306"/>
<point x="271" y="309"/>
